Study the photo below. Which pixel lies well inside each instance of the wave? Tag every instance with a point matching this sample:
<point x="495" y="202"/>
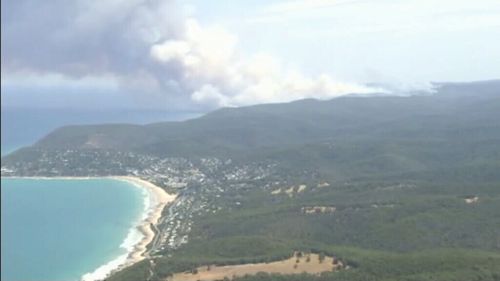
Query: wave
<point x="133" y="238"/>
<point x="148" y="202"/>
<point x="103" y="271"/>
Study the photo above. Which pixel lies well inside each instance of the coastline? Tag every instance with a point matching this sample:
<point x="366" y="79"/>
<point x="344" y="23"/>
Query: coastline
<point x="152" y="214"/>
<point x="140" y="236"/>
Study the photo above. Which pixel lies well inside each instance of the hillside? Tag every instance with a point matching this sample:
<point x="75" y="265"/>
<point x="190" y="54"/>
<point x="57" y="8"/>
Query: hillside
<point x="453" y="132"/>
<point x="465" y="111"/>
<point x="394" y="188"/>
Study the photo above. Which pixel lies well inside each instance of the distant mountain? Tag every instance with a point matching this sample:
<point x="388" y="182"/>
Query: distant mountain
<point x="455" y="107"/>
<point x="456" y="127"/>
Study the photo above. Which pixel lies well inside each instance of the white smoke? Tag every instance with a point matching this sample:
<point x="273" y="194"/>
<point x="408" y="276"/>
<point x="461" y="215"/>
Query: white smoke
<point x="151" y="50"/>
<point x="219" y="76"/>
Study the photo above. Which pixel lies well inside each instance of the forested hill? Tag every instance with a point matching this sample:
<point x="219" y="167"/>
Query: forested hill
<point x="469" y="111"/>
<point x="457" y="126"/>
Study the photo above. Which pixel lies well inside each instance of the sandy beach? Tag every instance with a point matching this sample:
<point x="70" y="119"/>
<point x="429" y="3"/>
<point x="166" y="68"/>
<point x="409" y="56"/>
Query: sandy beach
<point x="157" y="200"/>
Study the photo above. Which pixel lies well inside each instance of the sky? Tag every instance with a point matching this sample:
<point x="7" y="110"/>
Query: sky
<point x="198" y="55"/>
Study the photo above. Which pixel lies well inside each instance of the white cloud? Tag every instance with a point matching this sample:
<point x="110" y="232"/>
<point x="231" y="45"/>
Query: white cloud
<point x="302" y="5"/>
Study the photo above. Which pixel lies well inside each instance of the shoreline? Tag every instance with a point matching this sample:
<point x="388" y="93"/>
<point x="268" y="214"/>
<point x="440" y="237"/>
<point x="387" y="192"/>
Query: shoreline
<point x="157" y="198"/>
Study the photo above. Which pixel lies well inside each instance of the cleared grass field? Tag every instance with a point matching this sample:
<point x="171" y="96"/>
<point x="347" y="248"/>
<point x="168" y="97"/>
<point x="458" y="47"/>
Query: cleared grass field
<point x="307" y="263"/>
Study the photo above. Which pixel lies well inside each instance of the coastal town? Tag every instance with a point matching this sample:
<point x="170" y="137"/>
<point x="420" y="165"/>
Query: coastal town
<point x="204" y="186"/>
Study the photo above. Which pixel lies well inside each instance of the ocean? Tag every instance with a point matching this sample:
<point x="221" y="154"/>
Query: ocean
<point x="59" y="230"/>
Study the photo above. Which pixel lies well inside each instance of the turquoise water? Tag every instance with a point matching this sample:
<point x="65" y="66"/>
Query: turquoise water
<point x="61" y="229"/>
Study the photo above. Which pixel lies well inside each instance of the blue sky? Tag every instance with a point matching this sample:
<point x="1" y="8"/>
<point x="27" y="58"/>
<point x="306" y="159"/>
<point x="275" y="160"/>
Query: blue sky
<point x="365" y="39"/>
<point x="198" y="54"/>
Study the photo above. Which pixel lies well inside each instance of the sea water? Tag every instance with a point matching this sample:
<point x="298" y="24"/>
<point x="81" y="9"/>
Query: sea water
<point x="59" y="230"/>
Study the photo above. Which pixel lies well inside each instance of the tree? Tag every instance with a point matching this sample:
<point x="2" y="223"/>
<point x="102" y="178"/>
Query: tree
<point x="321" y="257"/>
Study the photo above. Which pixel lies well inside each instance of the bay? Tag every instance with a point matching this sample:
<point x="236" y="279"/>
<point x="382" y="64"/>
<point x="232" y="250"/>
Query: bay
<point x="60" y="229"/>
